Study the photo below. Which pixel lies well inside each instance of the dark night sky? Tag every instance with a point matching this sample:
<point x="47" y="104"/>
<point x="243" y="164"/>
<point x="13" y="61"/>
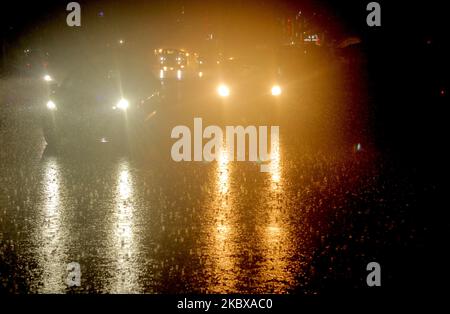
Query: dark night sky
<point x="399" y="19"/>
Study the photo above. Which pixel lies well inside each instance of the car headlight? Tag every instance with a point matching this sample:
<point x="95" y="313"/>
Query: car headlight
<point x="51" y="105"/>
<point x="123" y="104"/>
<point x="47" y="78"/>
<point x="223" y="90"/>
<point x="276" y="90"/>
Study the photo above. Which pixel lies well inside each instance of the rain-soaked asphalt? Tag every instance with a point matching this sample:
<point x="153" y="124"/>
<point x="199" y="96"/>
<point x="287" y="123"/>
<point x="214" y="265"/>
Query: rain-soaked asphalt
<point x="142" y="223"/>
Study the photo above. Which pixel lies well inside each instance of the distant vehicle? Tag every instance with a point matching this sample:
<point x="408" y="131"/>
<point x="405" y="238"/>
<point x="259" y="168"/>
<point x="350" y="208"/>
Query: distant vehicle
<point x="248" y="78"/>
<point x="31" y="62"/>
<point x="100" y="103"/>
<point x="176" y="63"/>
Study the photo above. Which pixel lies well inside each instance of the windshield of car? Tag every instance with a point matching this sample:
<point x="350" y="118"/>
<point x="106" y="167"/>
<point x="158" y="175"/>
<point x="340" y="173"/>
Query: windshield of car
<point x="249" y="67"/>
<point x="110" y="78"/>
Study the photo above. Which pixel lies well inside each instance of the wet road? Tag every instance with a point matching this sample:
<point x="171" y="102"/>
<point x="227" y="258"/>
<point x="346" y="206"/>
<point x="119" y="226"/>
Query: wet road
<point x="142" y="223"/>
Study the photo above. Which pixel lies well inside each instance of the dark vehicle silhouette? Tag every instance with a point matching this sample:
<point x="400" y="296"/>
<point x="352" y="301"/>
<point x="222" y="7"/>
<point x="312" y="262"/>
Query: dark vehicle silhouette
<point x="101" y="103"/>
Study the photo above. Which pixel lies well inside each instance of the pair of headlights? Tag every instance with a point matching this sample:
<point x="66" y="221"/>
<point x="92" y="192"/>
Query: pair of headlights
<point x="122" y="104"/>
<point x="224" y="91"/>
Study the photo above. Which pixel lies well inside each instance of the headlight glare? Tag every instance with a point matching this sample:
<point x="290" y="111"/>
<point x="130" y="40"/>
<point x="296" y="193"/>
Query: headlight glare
<point x="47" y="78"/>
<point x="123" y="104"/>
<point x="223" y="90"/>
<point x="276" y="90"/>
<point x="51" y="105"/>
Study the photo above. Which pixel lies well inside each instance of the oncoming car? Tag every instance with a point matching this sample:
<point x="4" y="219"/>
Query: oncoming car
<point x="99" y="103"/>
<point x="177" y="64"/>
<point x="247" y="79"/>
